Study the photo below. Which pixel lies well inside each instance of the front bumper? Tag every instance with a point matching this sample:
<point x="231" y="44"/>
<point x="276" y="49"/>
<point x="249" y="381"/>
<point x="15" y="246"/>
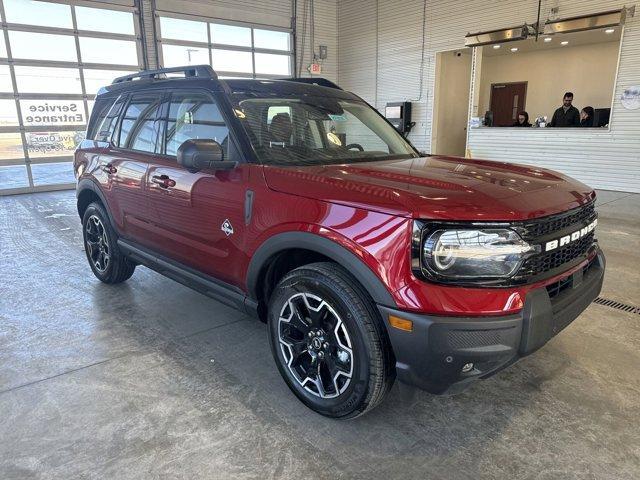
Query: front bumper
<point x="433" y="354"/>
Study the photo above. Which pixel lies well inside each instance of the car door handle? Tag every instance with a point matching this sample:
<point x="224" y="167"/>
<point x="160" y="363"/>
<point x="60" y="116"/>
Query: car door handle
<point x="109" y="168"/>
<point x="163" y="181"/>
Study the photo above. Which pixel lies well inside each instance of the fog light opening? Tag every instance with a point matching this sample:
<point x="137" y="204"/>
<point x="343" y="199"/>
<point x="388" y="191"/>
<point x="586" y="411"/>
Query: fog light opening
<point x="467" y="367"/>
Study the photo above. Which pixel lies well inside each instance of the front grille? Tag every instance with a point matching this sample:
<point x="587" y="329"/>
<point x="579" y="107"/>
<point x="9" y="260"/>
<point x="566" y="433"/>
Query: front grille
<point x="538" y="231"/>
<point x="551" y="260"/>
<point x="535" y="229"/>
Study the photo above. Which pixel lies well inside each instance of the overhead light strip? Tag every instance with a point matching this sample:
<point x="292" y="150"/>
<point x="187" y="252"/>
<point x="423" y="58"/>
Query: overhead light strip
<point x="574" y="24"/>
<point x="497" y="36"/>
<point x="612" y="18"/>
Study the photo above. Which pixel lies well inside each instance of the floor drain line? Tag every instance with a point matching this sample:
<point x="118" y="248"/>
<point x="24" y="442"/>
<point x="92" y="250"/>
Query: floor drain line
<point x="617" y="305"/>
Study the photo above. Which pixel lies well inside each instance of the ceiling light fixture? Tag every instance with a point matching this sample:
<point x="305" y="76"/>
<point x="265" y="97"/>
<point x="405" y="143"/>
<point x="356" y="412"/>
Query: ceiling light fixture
<point x="514" y="49"/>
<point x="610" y="30"/>
<point x="496" y="47"/>
<point x="547" y="39"/>
<point x="565" y="42"/>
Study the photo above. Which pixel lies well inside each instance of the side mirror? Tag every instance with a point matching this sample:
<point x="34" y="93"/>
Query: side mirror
<point x="197" y="154"/>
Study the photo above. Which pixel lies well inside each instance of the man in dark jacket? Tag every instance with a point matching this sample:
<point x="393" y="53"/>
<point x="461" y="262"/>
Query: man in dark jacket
<point x="567" y="115"/>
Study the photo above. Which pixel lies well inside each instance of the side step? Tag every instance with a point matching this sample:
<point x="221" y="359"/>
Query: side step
<point x="209" y="286"/>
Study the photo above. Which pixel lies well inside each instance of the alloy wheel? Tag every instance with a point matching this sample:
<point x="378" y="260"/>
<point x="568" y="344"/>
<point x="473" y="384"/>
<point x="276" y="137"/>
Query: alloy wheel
<point x="316" y="345"/>
<point x="97" y="243"/>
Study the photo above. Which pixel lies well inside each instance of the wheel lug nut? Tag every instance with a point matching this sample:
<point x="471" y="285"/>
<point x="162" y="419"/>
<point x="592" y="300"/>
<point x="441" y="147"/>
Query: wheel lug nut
<point x="321" y="354"/>
<point x="311" y="334"/>
<point x="325" y="345"/>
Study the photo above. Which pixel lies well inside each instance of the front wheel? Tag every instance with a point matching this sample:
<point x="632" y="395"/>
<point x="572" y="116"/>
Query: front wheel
<point x="328" y="342"/>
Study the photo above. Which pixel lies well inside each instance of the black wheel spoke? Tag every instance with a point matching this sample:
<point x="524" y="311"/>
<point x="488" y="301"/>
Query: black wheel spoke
<point x="297" y="319"/>
<point x="97" y="243"/>
<point x="319" y="359"/>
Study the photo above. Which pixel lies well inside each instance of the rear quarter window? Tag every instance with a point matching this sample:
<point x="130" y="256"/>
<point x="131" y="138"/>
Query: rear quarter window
<point x="103" y="119"/>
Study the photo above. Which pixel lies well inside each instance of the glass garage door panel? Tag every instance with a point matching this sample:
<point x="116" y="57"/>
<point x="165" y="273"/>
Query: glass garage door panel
<point x="230" y="35"/>
<point x="3" y="47"/>
<point x="10" y="147"/>
<point x="55" y="173"/>
<point x="232" y="61"/>
<point x="271" y="40"/>
<point x="95" y="79"/>
<point x="178" y="55"/>
<point x="13" y="176"/>
<point x="5" y="79"/>
<point x="48" y="80"/>
<point x="113" y="52"/>
<point x="53" y="144"/>
<point x="178" y="29"/>
<point x="42" y="14"/>
<point x="43" y="46"/>
<point x="8" y="113"/>
<point x="270" y="64"/>
<point x="108" y="21"/>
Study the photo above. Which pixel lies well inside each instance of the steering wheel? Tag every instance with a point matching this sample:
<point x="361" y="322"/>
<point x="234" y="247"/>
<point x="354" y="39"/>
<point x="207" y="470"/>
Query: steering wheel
<point x="354" y="145"/>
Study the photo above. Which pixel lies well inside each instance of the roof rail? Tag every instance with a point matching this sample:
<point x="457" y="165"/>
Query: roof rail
<point x="203" y="71"/>
<point x="323" y="82"/>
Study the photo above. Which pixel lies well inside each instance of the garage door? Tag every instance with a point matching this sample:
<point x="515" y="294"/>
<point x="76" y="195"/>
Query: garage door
<point x="235" y="50"/>
<point x="53" y="59"/>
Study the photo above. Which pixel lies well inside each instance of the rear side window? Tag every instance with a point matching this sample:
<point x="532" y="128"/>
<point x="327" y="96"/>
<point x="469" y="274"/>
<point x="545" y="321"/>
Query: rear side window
<point x="139" y="126"/>
<point x="104" y="124"/>
<point x="194" y="115"/>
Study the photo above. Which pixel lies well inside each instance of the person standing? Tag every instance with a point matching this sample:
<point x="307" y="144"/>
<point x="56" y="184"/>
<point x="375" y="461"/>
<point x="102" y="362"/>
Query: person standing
<point x="567" y="115"/>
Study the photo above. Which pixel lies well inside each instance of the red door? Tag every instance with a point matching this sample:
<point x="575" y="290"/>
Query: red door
<point x="198" y="216"/>
<point x="507" y="100"/>
<point x="123" y="164"/>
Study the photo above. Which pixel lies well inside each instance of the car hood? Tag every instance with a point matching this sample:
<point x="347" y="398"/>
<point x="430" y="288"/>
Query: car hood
<point x="435" y="187"/>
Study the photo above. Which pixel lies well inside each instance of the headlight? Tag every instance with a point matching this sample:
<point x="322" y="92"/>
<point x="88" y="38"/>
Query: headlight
<point x="461" y="253"/>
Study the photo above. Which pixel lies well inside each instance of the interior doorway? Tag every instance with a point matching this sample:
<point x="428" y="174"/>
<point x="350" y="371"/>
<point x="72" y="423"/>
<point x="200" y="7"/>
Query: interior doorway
<point x="451" y="107"/>
<point x="507" y="100"/>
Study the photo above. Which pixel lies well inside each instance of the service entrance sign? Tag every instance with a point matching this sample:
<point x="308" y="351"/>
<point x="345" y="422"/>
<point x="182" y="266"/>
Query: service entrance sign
<point x="53" y="112"/>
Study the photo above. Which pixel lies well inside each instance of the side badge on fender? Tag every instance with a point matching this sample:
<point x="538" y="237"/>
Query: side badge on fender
<point x="227" y="228"/>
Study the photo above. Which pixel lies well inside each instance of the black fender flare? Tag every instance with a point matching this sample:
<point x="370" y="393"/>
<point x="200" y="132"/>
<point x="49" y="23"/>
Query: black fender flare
<point x="324" y="246"/>
<point x="88" y="184"/>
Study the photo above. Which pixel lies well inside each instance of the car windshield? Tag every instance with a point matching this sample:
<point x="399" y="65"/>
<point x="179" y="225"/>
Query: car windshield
<point x="310" y="130"/>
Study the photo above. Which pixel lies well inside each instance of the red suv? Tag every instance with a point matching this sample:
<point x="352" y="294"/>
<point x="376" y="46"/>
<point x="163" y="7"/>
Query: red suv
<point x="297" y="202"/>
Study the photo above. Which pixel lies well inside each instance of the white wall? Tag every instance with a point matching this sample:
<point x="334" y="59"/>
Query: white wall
<point x="380" y="49"/>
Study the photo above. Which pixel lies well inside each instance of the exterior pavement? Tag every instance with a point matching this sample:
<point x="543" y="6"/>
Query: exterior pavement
<point x="149" y="379"/>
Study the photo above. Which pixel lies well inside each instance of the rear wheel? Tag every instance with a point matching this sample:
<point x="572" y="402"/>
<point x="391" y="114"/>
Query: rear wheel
<point x="108" y="264"/>
<point x="327" y="341"/>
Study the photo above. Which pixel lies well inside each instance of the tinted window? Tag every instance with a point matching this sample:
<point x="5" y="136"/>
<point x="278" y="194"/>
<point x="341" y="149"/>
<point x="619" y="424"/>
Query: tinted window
<point x="194" y="115"/>
<point x="106" y="121"/>
<point x="138" y="129"/>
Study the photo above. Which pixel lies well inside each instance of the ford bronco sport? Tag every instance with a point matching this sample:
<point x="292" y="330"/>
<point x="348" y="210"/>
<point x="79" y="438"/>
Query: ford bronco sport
<point x="297" y="202"/>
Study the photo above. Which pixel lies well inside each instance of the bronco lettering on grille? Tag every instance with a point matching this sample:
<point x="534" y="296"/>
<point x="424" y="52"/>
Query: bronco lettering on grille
<point x="567" y="239"/>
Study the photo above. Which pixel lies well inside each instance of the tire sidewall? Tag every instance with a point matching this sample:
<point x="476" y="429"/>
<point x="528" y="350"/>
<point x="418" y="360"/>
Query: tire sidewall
<point x="96" y="210"/>
<point x="351" y="401"/>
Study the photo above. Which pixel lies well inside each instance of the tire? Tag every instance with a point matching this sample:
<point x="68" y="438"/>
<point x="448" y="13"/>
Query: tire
<point x="108" y="264"/>
<point x="321" y="320"/>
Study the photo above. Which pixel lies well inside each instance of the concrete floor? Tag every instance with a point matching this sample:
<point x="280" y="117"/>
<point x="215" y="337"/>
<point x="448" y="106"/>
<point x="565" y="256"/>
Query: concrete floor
<point x="151" y="380"/>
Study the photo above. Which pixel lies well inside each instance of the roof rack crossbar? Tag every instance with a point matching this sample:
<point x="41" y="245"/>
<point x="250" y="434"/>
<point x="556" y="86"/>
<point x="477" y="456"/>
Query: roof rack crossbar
<point x="323" y="82"/>
<point x="202" y="71"/>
